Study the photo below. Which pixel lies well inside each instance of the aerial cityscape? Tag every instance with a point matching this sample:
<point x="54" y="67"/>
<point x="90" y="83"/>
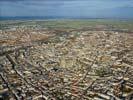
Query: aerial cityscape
<point x="66" y="50"/>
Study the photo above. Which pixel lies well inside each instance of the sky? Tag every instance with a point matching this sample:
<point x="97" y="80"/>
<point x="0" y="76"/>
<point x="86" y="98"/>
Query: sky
<point x="67" y="8"/>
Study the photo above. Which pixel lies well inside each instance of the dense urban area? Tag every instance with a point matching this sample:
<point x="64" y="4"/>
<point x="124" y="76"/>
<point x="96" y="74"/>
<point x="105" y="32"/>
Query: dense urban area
<point x="66" y="60"/>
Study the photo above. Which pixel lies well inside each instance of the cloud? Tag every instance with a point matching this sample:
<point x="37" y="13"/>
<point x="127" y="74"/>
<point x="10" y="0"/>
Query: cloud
<point x="74" y="8"/>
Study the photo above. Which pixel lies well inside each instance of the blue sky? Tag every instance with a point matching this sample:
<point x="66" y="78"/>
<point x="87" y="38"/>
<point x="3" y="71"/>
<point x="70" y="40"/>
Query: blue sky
<point x="68" y="8"/>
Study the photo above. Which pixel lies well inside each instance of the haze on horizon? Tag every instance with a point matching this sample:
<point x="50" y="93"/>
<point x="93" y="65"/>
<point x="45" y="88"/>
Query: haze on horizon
<point x="67" y="8"/>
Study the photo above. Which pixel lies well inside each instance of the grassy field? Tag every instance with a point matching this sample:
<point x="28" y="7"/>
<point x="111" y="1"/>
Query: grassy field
<point x="77" y="23"/>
